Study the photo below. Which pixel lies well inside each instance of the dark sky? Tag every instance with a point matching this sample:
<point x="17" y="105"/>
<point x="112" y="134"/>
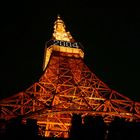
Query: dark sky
<point x="110" y="36"/>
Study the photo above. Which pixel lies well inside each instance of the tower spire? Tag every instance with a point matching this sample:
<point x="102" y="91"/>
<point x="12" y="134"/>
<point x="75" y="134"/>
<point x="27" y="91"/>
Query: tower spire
<point x="58" y="16"/>
<point x="60" y="32"/>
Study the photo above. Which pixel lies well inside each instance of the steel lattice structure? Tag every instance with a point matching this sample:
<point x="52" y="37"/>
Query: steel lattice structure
<point x="67" y="86"/>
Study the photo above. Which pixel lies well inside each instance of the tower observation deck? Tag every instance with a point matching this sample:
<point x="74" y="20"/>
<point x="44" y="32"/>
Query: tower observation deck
<point x="66" y="86"/>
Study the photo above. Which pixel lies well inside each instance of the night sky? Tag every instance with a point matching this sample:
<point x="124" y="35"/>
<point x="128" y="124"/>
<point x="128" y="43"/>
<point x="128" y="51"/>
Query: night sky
<point x="110" y="36"/>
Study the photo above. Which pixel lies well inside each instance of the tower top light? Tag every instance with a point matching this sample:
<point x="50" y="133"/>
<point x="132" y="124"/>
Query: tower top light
<point x="60" y="32"/>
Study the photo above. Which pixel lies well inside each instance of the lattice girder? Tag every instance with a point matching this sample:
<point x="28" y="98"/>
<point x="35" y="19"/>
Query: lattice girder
<point x="68" y="86"/>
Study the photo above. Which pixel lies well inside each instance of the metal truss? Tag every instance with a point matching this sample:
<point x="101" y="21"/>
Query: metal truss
<point x="67" y="86"/>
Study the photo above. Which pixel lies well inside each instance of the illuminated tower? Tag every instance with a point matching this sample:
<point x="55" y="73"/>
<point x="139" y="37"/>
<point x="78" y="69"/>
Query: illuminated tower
<point x="67" y="86"/>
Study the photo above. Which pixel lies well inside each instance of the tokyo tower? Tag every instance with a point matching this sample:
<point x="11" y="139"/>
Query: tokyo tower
<point x="66" y="86"/>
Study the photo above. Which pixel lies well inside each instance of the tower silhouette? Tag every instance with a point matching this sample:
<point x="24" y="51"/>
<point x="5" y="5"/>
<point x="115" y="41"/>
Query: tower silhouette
<point x="66" y="86"/>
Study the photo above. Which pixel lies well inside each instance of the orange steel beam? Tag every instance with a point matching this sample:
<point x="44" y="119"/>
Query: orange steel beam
<point x="66" y="87"/>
